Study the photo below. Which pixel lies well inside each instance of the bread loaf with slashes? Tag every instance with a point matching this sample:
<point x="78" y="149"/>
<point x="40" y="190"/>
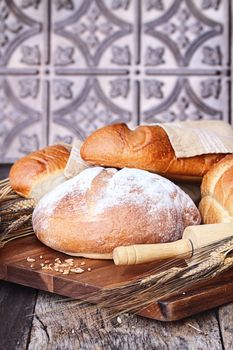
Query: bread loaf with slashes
<point x="101" y="209"/>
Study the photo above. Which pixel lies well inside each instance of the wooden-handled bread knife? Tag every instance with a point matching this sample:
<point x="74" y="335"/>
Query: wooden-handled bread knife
<point x="194" y="237"/>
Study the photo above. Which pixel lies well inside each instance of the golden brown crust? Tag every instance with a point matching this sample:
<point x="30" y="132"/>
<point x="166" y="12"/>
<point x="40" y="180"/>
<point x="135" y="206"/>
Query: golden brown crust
<point x="147" y="148"/>
<point x="212" y="212"/>
<point x="217" y="192"/>
<point x="101" y="209"/>
<point x="35" y="167"/>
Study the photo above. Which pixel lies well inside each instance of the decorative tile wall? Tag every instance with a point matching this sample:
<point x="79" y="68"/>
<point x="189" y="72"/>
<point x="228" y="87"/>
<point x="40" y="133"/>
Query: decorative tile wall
<point x="68" y="67"/>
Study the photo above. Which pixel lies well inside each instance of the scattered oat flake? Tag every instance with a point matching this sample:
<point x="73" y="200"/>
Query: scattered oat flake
<point x="32" y="265"/>
<point x="89" y="269"/>
<point x="42" y="264"/>
<point x="66" y="272"/>
<point x="41" y="256"/>
<point x="63" y="265"/>
<point x="30" y="259"/>
<point x="47" y="261"/>
<point x="119" y="320"/>
<point x="83" y="263"/>
<point x="77" y="270"/>
<point x="69" y="261"/>
<point x="58" y="260"/>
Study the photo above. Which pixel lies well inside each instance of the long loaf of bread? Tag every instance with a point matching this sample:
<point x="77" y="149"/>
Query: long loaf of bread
<point x="147" y="148"/>
<point x="39" y="172"/>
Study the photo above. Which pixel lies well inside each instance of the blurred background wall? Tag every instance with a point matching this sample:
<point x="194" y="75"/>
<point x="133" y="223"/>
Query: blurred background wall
<point x="68" y="67"/>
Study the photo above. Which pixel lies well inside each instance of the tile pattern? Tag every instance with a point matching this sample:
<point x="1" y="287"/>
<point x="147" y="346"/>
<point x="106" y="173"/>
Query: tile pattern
<point x="70" y="66"/>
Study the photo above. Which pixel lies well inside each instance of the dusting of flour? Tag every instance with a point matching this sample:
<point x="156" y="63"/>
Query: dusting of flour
<point x="80" y="183"/>
<point x="140" y="187"/>
<point x="169" y="207"/>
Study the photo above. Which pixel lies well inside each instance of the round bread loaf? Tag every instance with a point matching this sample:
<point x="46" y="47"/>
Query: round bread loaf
<point x="39" y="172"/>
<point x="101" y="209"/>
<point x="217" y="193"/>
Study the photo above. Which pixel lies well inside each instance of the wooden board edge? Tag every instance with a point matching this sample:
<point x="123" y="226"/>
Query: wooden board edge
<point x="174" y="310"/>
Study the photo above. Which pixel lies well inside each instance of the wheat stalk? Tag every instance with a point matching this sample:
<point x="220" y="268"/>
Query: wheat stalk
<point x="15" y="214"/>
<point x="6" y="191"/>
<point x="4" y="182"/>
<point x="136" y="295"/>
<point x="14" y="209"/>
<point x="16" y="229"/>
<point x="169" y="282"/>
<point x="15" y="206"/>
<point x="17" y="234"/>
<point x="16" y="224"/>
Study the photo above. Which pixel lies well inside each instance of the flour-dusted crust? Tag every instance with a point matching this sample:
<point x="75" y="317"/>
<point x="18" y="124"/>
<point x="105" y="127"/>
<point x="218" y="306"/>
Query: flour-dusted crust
<point x="39" y="172"/>
<point x="101" y="209"/>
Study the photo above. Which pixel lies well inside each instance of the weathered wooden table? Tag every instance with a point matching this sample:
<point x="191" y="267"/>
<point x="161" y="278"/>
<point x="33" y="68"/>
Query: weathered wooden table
<point x="22" y="328"/>
<point x="25" y="324"/>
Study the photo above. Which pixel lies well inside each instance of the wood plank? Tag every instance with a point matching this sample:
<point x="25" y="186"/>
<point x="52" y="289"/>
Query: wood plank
<point x="15" y="268"/>
<point x="225" y="315"/>
<point x="16" y="251"/>
<point x="203" y="296"/>
<point x="87" y="327"/>
<point x="16" y="305"/>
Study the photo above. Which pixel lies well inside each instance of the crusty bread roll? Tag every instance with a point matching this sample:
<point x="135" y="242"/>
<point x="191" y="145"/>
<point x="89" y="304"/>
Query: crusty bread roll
<point x="147" y="147"/>
<point x="101" y="209"/>
<point x="39" y="172"/>
<point x="217" y="193"/>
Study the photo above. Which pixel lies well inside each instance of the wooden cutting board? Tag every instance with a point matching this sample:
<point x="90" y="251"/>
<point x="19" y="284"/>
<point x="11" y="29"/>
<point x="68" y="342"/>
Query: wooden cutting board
<point x="14" y="267"/>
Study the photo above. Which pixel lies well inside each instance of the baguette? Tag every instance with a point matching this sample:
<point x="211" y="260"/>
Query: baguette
<point x="147" y="148"/>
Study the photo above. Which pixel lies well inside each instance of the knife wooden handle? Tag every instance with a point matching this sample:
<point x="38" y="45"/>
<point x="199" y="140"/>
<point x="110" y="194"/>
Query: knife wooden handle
<point x="143" y="253"/>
